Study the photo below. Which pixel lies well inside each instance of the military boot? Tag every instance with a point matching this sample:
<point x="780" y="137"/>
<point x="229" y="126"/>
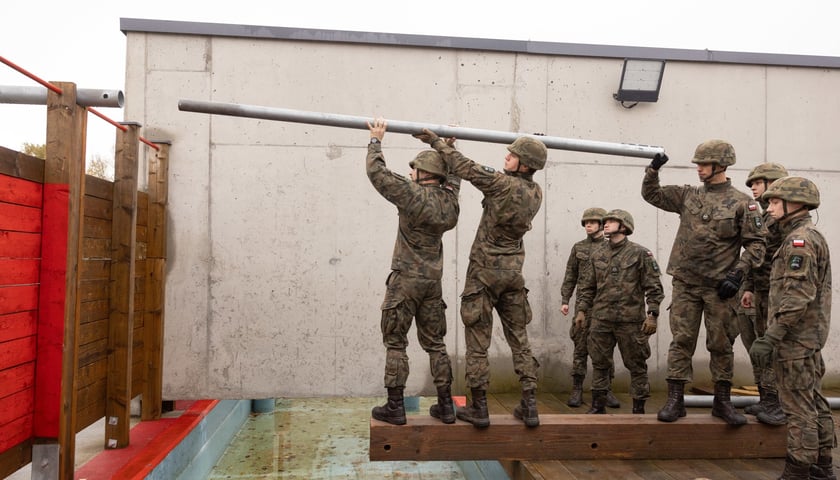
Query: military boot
<point x="599" y="402"/>
<point x="639" y="405"/>
<point x="757" y="407"/>
<point x="527" y="409"/>
<point x="443" y="409"/>
<point x="772" y="413"/>
<point x="795" y="470"/>
<point x="476" y="413"/>
<point x="674" y="407"/>
<point x="393" y="411"/>
<point x="576" y="397"/>
<point x="823" y="469"/>
<point x="612" y="402"/>
<point x="722" y="406"/>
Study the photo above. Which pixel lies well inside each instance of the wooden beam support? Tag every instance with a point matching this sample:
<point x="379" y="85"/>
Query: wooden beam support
<point x="576" y="437"/>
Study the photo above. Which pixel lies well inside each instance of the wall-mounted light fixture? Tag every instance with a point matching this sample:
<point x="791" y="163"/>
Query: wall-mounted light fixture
<point x="640" y="81"/>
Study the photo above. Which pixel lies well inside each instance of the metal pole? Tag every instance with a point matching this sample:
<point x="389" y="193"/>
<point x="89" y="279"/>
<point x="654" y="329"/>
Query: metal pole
<point x="740" y="401"/>
<point x="461" y="133"/>
<point x="86" y="97"/>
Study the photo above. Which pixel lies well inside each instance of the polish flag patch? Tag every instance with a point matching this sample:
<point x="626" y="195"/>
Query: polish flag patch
<point x="798" y="242"/>
<point x="753" y="207"/>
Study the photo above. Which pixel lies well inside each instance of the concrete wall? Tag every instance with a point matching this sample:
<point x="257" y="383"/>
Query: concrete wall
<point x="280" y="247"/>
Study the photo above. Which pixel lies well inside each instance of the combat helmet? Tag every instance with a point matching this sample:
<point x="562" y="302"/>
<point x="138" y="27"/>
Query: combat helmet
<point x="719" y="152"/>
<point x="766" y="171"/>
<point x="429" y="161"/>
<point x="593" y="213"/>
<point x="624" y="217"/>
<point x="532" y="152"/>
<point x="794" y="189"/>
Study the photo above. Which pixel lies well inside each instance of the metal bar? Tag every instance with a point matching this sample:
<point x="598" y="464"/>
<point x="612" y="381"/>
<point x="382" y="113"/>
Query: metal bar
<point x="461" y="133"/>
<point x="86" y="97"/>
<point x="740" y="401"/>
<point x="30" y="75"/>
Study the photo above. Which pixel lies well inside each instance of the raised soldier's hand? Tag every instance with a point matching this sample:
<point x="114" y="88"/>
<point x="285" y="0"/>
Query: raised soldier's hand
<point x="658" y="160"/>
<point x="728" y="287"/>
<point x="649" y="327"/>
<point x="426" y="136"/>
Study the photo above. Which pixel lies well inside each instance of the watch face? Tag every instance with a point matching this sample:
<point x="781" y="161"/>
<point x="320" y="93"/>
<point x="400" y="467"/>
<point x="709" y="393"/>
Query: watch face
<point x="374" y="140"/>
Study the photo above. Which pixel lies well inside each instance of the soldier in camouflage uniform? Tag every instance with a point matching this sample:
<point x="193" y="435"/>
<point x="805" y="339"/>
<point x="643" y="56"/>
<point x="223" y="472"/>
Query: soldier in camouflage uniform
<point x="592" y="222"/>
<point x="799" y="317"/>
<point x="428" y="207"/>
<point x="754" y="298"/>
<point x="619" y="278"/>
<point x="707" y="266"/>
<point x="494" y="275"/>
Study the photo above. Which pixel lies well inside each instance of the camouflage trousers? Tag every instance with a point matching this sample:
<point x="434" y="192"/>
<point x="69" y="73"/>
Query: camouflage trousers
<point x="634" y="348"/>
<point x="752" y="323"/>
<point x="689" y="305"/>
<point x="504" y="290"/>
<point x="810" y="424"/>
<point x="580" y="355"/>
<point x="412" y="297"/>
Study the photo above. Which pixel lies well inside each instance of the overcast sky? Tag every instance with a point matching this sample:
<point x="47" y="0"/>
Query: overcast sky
<point x="85" y="45"/>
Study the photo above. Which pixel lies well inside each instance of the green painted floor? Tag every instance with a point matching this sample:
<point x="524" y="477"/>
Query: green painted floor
<point x="319" y="438"/>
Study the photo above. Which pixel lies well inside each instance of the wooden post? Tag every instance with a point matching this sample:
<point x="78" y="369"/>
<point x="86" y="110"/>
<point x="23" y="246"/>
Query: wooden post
<point x="61" y="256"/>
<point x="155" y="283"/>
<point x="121" y="292"/>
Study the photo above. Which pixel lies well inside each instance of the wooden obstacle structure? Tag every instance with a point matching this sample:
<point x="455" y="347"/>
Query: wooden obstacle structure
<point x="576" y="437"/>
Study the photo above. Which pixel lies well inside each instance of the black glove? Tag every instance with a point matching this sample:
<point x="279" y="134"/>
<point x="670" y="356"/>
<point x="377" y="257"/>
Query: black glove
<point x="427" y="136"/>
<point x="658" y="160"/>
<point x="729" y="286"/>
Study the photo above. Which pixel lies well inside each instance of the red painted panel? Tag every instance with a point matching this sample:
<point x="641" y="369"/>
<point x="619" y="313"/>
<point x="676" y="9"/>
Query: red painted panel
<point x="20" y="245"/>
<point x="17" y="352"/>
<point x="19" y="272"/>
<point x="51" y="307"/>
<point x="19" y="218"/>
<point x="16" y="406"/>
<point x="13" y="433"/>
<point x="17" y="378"/>
<point x="18" y="325"/>
<point x="20" y="191"/>
<point x="18" y="299"/>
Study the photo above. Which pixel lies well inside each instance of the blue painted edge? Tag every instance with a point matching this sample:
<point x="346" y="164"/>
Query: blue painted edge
<point x="195" y="456"/>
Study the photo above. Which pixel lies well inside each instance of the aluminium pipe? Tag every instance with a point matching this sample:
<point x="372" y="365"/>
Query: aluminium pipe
<point x="461" y="133"/>
<point x="740" y="401"/>
<point x="86" y="97"/>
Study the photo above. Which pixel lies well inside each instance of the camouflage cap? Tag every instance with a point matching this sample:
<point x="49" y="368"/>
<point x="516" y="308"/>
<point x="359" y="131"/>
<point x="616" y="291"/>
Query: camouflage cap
<point x="794" y="189"/>
<point x="593" y="213"/>
<point x="532" y="152"/>
<point x="429" y="161"/>
<point x="719" y="152"/>
<point x="624" y="217"/>
<point x="766" y="171"/>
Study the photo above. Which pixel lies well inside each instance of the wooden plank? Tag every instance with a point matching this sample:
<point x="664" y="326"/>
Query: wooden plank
<point x="17" y="378"/>
<point x="18" y="298"/>
<point x="15" y="271"/>
<point x="96" y="248"/>
<point x="19" y="218"/>
<point x="15" y="432"/>
<point x="94" y="310"/>
<point x="98" y="208"/>
<point x="16" y="405"/>
<point x="97" y="228"/>
<point x="17" y="352"/>
<point x="20" y="244"/>
<point x="15" y="457"/>
<point x="20" y="191"/>
<point x="575" y="436"/>
<point x="99" y="188"/>
<point x="21" y="165"/>
<point x="18" y="325"/>
<point x="96" y="269"/>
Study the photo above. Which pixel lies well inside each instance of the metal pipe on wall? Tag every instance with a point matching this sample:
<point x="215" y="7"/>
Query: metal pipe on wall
<point x="86" y="97"/>
<point x="461" y="133"/>
<point x="740" y="401"/>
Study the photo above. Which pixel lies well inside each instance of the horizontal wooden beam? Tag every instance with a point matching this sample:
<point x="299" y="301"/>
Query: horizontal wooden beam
<point x="576" y="437"/>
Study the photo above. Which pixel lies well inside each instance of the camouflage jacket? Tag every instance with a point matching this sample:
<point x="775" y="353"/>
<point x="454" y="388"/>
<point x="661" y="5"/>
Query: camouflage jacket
<point x="716" y="221"/>
<point x="574" y="266"/>
<point x="511" y="201"/>
<point x="617" y="281"/>
<point x="800" y="289"/>
<point x="758" y="279"/>
<point x="425" y="213"/>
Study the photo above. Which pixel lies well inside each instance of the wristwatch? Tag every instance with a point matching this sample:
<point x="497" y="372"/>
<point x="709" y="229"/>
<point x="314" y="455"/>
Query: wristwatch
<point x="652" y="313"/>
<point x="374" y="140"/>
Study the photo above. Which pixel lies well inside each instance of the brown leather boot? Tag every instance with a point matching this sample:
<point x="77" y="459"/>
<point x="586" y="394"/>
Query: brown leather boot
<point x="599" y="402"/>
<point x="722" y="405"/>
<point x="638" y="405"/>
<point x="675" y="405"/>
<point x="393" y="411"/>
<point x="527" y="408"/>
<point x="476" y="413"/>
<point x="443" y="409"/>
<point x="612" y="402"/>
<point x="823" y="469"/>
<point x="772" y="414"/>
<point x="755" y="408"/>
<point x="795" y="470"/>
<point x="576" y="397"/>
